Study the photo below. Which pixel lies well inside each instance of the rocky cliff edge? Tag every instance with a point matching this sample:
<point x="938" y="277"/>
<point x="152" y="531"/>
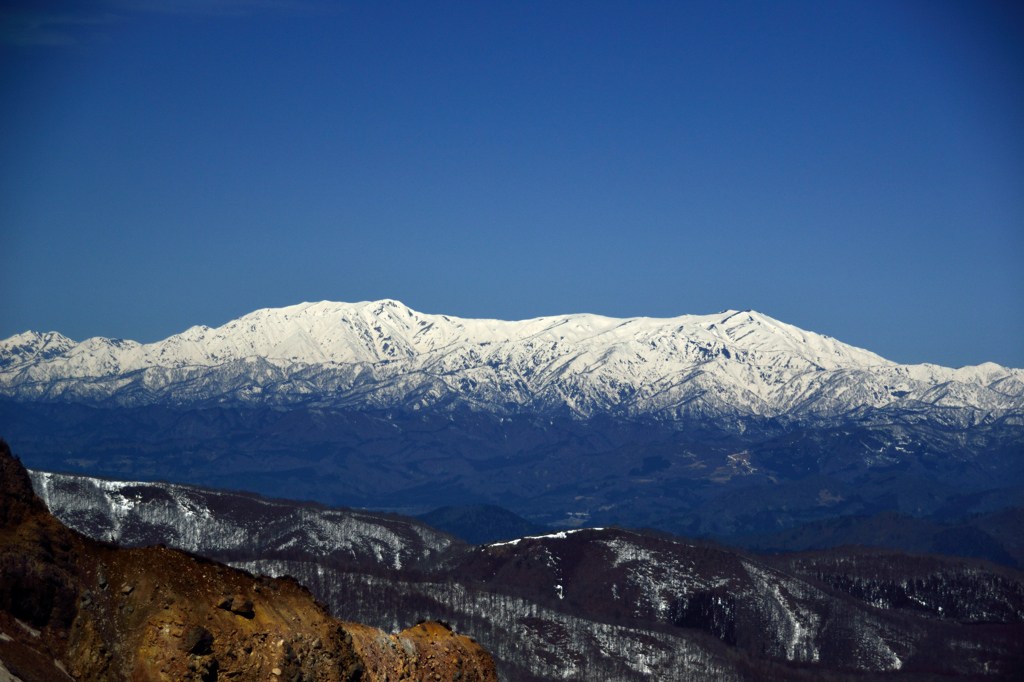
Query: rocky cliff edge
<point x="72" y="608"/>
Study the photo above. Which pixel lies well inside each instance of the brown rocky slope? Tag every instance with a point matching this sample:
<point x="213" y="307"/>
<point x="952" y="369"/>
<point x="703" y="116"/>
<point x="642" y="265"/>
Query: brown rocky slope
<point x="72" y="608"/>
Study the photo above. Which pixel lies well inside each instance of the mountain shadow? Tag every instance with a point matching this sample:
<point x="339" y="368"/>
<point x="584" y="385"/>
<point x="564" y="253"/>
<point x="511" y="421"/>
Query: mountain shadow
<point x="481" y="523"/>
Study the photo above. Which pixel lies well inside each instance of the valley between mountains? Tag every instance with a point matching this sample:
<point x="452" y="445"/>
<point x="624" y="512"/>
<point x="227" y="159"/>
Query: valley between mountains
<point x="726" y="425"/>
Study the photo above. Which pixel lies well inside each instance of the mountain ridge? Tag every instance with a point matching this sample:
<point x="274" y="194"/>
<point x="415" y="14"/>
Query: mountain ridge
<point x="384" y="355"/>
<point x="593" y="603"/>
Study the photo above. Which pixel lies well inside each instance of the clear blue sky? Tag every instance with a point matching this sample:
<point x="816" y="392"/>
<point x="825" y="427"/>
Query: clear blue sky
<point x="856" y="169"/>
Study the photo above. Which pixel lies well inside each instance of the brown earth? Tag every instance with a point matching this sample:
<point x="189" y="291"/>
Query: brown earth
<point x="429" y="651"/>
<point x="72" y="608"/>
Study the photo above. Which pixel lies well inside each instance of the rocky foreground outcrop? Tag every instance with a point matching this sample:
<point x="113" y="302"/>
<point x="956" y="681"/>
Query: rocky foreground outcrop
<point x="72" y="608"/>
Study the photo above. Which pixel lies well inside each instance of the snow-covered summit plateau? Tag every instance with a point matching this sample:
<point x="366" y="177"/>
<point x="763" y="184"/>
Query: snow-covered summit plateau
<point x="382" y="354"/>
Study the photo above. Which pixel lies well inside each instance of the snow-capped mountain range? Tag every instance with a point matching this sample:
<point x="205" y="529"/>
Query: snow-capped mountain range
<point x="383" y="355"/>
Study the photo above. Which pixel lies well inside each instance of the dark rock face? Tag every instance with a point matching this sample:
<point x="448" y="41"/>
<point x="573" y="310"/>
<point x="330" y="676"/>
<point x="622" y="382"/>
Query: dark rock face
<point x="198" y="641"/>
<point x="61" y="619"/>
<point x="39" y="584"/>
<point x="18" y="501"/>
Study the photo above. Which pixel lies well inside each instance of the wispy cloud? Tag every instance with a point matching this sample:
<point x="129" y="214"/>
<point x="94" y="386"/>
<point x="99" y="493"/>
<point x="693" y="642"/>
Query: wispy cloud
<point x="213" y="7"/>
<point x="68" y="23"/>
<point x="27" y="28"/>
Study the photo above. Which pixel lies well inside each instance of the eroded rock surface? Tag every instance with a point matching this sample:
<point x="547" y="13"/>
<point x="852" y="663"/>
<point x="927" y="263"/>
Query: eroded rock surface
<point x="429" y="651"/>
<point x="74" y="608"/>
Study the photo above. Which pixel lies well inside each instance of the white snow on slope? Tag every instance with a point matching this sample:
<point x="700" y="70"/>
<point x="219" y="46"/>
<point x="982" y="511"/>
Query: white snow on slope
<point x="383" y="354"/>
<point x="183" y="515"/>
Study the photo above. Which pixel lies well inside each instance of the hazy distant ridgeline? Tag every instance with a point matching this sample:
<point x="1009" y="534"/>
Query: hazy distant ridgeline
<point x="732" y="365"/>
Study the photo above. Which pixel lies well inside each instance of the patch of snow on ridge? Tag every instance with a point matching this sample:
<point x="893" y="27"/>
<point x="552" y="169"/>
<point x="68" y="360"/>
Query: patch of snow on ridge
<point x="559" y="535"/>
<point x="662" y="578"/>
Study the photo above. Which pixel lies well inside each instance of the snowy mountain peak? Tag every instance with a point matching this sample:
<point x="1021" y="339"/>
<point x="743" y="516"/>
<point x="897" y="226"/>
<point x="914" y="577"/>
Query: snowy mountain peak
<point x="382" y="354"/>
<point x="32" y="347"/>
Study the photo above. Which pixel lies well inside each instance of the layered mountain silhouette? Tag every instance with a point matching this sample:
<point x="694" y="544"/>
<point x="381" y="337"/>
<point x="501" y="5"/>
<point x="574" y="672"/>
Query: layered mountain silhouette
<point x="732" y="424"/>
<point x="593" y="604"/>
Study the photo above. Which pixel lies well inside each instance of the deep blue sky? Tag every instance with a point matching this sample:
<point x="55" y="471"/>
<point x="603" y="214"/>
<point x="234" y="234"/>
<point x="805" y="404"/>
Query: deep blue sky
<point x="854" y="169"/>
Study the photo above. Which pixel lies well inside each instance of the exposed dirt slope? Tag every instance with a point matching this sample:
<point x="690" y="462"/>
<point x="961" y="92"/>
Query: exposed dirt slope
<point x="74" y="608"/>
<point x="429" y="651"/>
